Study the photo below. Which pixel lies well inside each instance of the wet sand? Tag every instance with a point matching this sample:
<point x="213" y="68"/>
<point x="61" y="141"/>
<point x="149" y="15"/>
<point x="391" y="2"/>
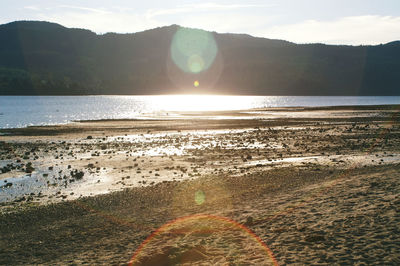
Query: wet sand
<point x="282" y="185"/>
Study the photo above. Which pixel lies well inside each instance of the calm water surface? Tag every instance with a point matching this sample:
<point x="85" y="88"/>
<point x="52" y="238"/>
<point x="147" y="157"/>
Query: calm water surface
<point x="22" y="111"/>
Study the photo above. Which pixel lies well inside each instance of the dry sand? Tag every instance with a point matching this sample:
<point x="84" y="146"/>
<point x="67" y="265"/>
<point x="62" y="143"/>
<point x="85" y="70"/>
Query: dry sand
<point x="276" y="186"/>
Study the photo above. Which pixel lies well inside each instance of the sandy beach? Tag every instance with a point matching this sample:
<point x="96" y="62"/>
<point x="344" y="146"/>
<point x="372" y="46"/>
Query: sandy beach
<point x="264" y="187"/>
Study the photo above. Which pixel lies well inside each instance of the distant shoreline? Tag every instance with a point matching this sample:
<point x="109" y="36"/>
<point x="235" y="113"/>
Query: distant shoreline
<point x="168" y="115"/>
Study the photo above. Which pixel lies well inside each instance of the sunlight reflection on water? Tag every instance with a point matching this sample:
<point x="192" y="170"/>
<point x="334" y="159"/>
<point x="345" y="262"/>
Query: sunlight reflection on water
<point x="22" y="111"/>
<point x="204" y="102"/>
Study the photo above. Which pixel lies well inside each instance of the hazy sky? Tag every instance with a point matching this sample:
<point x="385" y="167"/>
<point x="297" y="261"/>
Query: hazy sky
<point x="302" y="21"/>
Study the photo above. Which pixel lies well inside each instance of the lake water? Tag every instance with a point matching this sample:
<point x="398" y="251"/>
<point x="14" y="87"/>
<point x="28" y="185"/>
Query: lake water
<point x="22" y="111"/>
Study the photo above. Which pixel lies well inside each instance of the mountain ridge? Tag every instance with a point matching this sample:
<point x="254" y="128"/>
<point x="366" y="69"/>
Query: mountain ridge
<point x="44" y="58"/>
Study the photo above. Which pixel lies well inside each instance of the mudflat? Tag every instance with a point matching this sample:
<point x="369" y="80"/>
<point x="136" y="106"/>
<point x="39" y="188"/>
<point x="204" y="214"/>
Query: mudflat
<point x="268" y="186"/>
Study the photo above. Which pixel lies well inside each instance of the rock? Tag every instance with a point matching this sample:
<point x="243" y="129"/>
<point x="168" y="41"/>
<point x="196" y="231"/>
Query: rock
<point x="7" y="185"/>
<point x="249" y="221"/>
<point x="77" y="175"/>
<point x="29" y="168"/>
<point x="374" y="184"/>
<point x="5" y="169"/>
<point x="314" y="238"/>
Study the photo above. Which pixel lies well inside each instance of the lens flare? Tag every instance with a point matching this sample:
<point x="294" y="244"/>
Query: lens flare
<point x="199" y="197"/>
<point x="192" y="50"/>
<point x="205" y="239"/>
<point x="196" y="63"/>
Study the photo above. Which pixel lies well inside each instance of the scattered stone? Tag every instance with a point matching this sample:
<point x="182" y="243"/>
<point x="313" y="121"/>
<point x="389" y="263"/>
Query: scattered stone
<point x="314" y="238"/>
<point x="249" y="221"/>
<point x="77" y="175"/>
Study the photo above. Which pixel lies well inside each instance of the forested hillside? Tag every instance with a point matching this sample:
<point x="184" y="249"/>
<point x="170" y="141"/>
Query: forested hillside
<point x="42" y="58"/>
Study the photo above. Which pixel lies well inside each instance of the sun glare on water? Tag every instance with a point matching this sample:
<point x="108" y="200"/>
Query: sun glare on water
<point x="202" y="102"/>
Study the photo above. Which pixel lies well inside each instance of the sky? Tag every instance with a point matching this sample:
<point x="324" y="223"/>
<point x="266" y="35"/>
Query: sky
<point x="352" y="22"/>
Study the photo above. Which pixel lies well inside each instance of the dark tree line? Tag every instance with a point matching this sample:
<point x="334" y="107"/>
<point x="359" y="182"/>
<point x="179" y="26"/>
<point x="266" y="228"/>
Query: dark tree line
<point x="48" y="59"/>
